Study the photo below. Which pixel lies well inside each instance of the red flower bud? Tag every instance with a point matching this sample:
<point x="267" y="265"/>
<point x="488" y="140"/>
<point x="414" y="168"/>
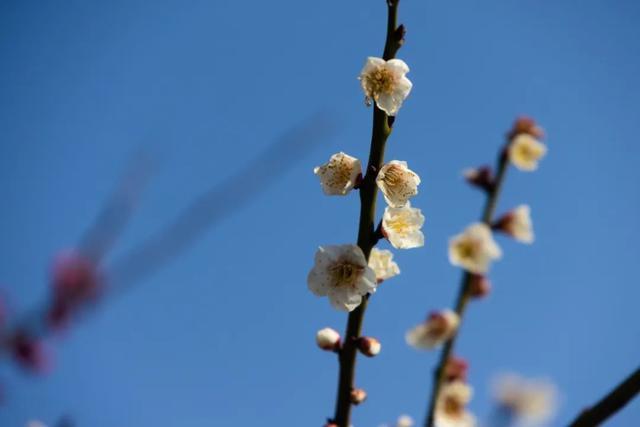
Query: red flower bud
<point x="479" y="286"/>
<point x="525" y="125"/>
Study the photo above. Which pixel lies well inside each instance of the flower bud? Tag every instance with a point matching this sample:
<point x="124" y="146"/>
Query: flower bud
<point x="369" y="346"/>
<point x="480" y="286"/>
<point x="456" y="369"/>
<point x="328" y="339"/>
<point x="358" y="396"/>
<point x="527" y="126"/>
<point x="29" y="352"/>
<point x="481" y="177"/>
<point x="75" y="281"/>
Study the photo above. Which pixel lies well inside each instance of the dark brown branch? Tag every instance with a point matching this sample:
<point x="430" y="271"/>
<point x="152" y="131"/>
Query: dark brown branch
<point x="366" y="235"/>
<point x="464" y="294"/>
<point x="614" y="401"/>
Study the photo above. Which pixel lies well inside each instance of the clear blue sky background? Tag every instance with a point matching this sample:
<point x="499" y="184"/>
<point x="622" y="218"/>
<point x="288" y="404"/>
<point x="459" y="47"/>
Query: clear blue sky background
<point x="224" y="334"/>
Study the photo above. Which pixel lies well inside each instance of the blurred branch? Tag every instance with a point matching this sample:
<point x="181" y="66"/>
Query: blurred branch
<point x="465" y="288"/>
<point x="221" y="201"/>
<point x="110" y="223"/>
<point x="614" y="401"/>
<point x="366" y="235"/>
<point x="224" y="199"/>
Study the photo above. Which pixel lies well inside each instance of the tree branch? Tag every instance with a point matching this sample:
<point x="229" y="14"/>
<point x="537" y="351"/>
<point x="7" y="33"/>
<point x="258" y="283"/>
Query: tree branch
<point x="366" y="236"/>
<point x="464" y="293"/>
<point x="614" y="401"/>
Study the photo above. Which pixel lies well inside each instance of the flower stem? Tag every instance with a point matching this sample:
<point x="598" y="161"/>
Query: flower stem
<point x="615" y="400"/>
<point x="464" y="292"/>
<point x="366" y="233"/>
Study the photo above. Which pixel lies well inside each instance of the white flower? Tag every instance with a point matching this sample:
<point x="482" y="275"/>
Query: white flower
<point x="531" y="401"/>
<point x="328" y="339"/>
<point x="439" y="327"/>
<point x="382" y="263"/>
<point x="397" y="182"/>
<point x="525" y="151"/>
<point x="339" y="175"/>
<point x="341" y="273"/>
<point x="517" y="224"/>
<point x="385" y="82"/>
<point x="404" y="421"/>
<point x="451" y="406"/>
<point x="474" y="249"/>
<point x="401" y="226"/>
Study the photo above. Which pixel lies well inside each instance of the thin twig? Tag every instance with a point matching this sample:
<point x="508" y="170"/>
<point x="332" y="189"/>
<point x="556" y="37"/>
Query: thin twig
<point x="366" y="235"/>
<point x="464" y="293"/>
<point x="614" y="401"/>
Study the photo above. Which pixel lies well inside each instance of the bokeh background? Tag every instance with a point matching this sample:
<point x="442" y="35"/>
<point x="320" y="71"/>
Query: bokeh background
<point x="224" y="333"/>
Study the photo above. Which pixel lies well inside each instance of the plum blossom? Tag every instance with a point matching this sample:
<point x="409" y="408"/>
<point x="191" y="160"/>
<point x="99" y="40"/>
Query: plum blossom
<point x="517" y="224"/>
<point x="386" y="83"/>
<point x="339" y="175"/>
<point x="474" y="249"/>
<point x="451" y="407"/>
<point x="382" y="263"/>
<point x="439" y="327"/>
<point x="531" y="401"/>
<point x="397" y="182"/>
<point x="342" y="274"/>
<point x="402" y="227"/>
<point x="525" y="151"/>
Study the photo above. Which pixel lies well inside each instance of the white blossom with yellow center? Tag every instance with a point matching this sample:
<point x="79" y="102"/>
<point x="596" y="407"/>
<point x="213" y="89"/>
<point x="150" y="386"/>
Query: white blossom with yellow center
<point x="439" y="327"/>
<point x="474" y="249"/>
<point x="532" y="401"/>
<point x="342" y="274"/>
<point x="517" y="224"/>
<point x="451" y="407"/>
<point x="339" y="175"/>
<point x="386" y="83"/>
<point x="525" y="151"/>
<point x="398" y="183"/>
<point x="402" y="227"/>
<point x="382" y="263"/>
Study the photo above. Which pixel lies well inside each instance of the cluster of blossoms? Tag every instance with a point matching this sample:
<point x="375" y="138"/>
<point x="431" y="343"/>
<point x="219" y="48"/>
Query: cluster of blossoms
<point x="474" y="249"/>
<point x="342" y="272"/>
<point x="345" y="273"/>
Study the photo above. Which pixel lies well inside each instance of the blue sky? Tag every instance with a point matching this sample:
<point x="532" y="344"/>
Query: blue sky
<point x="223" y="335"/>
